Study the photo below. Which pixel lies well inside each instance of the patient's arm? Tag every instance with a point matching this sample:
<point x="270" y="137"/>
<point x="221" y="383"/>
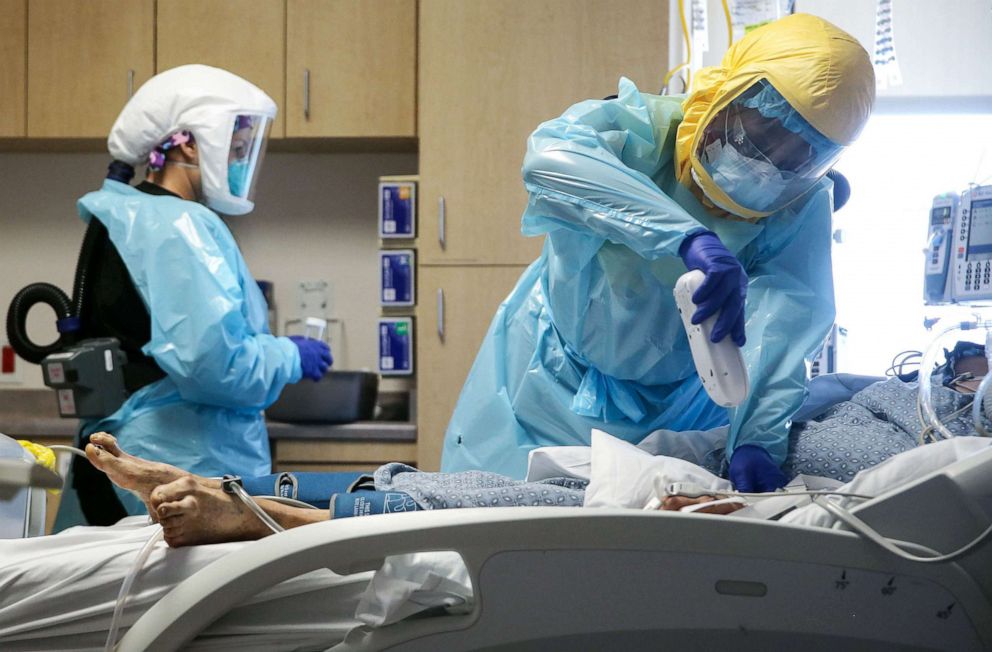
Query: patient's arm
<point x="192" y="513"/>
<point x="675" y="503"/>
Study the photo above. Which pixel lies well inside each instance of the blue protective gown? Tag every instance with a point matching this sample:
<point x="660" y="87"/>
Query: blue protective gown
<point x="591" y="338"/>
<point x="209" y="335"/>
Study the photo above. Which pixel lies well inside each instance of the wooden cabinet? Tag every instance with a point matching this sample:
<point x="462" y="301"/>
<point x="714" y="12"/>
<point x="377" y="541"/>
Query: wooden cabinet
<point x="84" y="60"/>
<point x="334" y="455"/>
<point x="246" y="37"/>
<point x="13" y="53"/>
<point x="470" y="298"/>
<point x="489" y="73"/>
<point x="351" y="68"/>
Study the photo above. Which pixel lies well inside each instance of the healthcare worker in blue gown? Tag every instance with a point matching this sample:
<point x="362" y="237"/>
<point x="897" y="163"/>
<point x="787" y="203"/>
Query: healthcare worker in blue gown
<point x="630" y="193"/>
<point x="172" y="285"/>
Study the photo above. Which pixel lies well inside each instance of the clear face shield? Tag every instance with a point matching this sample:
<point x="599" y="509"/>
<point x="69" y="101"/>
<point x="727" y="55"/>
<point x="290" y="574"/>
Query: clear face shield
<point x="761" y="152"/>
<point x="248" y="142"/>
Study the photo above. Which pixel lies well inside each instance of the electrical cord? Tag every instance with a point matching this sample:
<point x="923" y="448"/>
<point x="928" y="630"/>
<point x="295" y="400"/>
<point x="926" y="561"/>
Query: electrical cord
<point x="891" y="546"/>
<point x="909" y="357"/>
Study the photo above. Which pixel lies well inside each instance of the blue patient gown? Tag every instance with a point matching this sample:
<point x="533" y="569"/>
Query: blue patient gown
<point x="209" y="335"/>
<point x="590" y="337"/>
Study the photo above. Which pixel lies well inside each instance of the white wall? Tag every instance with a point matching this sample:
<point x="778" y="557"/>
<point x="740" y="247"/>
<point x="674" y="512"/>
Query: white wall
<point x="315" y="219"/>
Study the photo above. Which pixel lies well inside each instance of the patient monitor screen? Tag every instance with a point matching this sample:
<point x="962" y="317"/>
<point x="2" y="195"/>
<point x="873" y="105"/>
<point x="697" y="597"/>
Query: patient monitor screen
<point x="980" y="233"/>
<point x="940" y="216"/>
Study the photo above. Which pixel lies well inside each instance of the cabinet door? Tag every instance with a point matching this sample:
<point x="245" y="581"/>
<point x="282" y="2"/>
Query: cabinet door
<point x="84" y="61"/>
<point x="246" y="37"/>
<point x="470" y="298"/>
<point x="351" y="68"/>
<point x="13" y="52"/>
<point x="489" y="73"/>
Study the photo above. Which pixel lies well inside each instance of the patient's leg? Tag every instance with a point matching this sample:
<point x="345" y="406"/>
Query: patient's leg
<point x="192" y="513"/>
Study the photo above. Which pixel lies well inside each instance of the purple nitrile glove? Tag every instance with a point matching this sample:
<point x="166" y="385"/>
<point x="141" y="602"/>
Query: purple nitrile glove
<point x="753" y="471"/>
<point x="315" y="356"/>
<point x="723" y="289"/>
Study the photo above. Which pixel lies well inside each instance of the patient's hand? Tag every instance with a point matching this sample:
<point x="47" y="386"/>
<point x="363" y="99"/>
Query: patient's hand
<point x="676" y="503"/>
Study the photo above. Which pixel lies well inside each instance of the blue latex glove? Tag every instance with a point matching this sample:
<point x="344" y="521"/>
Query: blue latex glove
<point x="752" y="470"/>
<point x="723" y="289"/>
<point x="315" y="356"/>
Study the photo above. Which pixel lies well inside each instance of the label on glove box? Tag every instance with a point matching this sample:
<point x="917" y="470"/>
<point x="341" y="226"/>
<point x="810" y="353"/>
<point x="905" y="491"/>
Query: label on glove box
<point x="396" y="346"/>
<point x="397" y="209"/>
<point x="396" y="281"/>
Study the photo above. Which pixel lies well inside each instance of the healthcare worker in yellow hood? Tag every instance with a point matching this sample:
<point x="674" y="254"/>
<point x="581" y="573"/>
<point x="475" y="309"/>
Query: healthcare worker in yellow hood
<point x="630" y="193"/>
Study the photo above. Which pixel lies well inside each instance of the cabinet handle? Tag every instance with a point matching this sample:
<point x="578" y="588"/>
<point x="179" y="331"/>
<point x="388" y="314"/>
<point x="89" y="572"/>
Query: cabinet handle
<point x="440" y="313"/>
<point x="441" y="223"/>
<point x="306" y="93"/>
<point x="130" y="84"/>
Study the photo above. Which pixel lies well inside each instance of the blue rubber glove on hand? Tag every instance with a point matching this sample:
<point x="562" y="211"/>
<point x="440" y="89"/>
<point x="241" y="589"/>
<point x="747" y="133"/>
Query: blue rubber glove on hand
<point x="753" y="471"/>
<point x="315" y="356"/>
<point x="723" y="289"/>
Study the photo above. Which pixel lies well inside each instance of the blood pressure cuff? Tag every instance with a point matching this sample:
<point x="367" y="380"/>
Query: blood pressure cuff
<point x="367" y="503"/>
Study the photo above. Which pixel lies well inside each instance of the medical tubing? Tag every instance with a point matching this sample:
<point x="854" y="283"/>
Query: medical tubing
<point x="977" y="416"/>
<point x="68" y="449"/>
<point x="924" y="397"/>
<point x="120" y="171"/>
<point x="139" y="563"/>
<point x="240" y="492"/>
<point x="64" y="307"/>
<point x="688" y="54"/>
<point x="890" y="545"/>
<point x="978" y="403"/>
<point x="17" y="315"/>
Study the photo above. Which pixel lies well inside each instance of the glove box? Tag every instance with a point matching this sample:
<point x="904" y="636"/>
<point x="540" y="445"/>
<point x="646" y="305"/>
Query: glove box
<point x="339" y="397"/>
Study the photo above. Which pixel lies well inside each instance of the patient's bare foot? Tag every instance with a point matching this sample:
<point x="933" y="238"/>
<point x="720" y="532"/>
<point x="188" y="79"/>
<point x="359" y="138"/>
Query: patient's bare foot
<point x="191" y="513"/>
<point x="127" y="471"/>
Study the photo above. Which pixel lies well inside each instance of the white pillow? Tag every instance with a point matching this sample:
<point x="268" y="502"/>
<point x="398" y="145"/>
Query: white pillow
<point x="558" y="462"/>
<point x="623" y="474"/>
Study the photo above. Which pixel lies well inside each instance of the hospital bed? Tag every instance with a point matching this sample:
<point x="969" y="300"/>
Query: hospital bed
<point x="578" y="579"/>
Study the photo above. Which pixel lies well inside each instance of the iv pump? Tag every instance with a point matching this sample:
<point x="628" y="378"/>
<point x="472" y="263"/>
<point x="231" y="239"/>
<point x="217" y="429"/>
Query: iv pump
<point x="937" y="280"/>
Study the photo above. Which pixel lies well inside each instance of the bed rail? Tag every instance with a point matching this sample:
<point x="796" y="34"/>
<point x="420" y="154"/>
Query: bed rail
<point x="551" y="578"/>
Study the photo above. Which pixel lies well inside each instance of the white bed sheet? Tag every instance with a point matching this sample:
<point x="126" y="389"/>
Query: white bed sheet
<point x="59" y="592"/>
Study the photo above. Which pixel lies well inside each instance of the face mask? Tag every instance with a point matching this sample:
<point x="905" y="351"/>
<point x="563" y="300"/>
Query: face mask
<point x="237" y="178"/>
<point x="754" y="184"/>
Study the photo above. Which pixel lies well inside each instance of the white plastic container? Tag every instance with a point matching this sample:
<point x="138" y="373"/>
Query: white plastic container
<point x="22" y="510"/>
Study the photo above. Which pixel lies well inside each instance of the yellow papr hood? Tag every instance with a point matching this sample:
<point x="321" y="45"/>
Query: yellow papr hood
<point x="822" y="71"/>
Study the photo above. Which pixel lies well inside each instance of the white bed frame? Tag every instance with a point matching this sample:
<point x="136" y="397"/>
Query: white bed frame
<point x="567" y="578"/>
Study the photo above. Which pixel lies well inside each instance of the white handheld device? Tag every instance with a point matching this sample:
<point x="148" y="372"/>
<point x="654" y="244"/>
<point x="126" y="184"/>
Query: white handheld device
<point x="720" y="366"/>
